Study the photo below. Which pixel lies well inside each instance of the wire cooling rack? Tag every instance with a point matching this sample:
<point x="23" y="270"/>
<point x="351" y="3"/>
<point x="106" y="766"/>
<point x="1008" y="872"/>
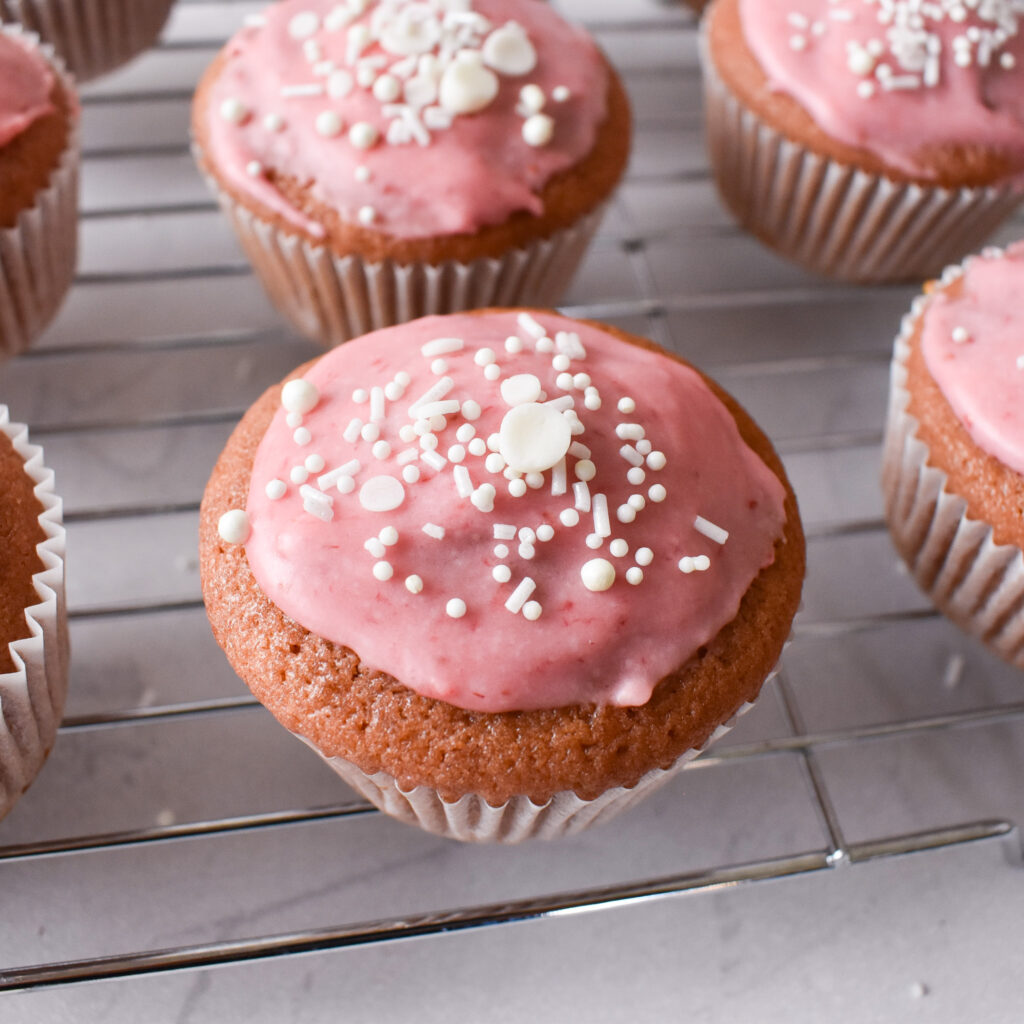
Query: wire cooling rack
<point x="177" y="827"/>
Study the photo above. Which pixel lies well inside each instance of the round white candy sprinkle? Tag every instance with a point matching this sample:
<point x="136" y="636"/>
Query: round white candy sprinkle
<point x="414" y="584"/>
<point x="501" y="551"/>
<point x="465" y="433"/>
<point x="299" y="396"/>
<point x="634" y="575"/>
<point x="302" y="436"/>
<point x="637" y="501"/>
<point x="411" y="474"/>
<point x="564" y="381"/>
<point x="328" y="124"/>
<point x="403" y="378"/>
<point x="526" y="551"/>
<point x="560" y="93"/>
<point x="254" y="168"/>
<point x="388" y="536"/>
<point x="363" y="135"/>
<point x="407" y="433"/>
<point x="234" y="110"/>
<point x="294" y="419"/>
<point x="456" y="453"/>
<point x="509" y="51"/>
<point x="520" y="389"/>
<point x="569" y="516"/>
<point x="532" y="611"/>
<point x="635" y="475"/>
<point x="625" y="513"/>
<point x="492" y="372"/>
<point x="494" y="463"/>
<point x="626" y="405"/>
<point x="314" y="463"/>
<point x="657" y="493"/>
<point x="517" y="488"/>
<point x="585" y="470"/>
<point x="383" y="571"/>
<point x="538" y="130"/>
<point x="339" y="84"/>
<point x="560" y="363"/>
<point x="545" y="345"/>
<point x="484" y="356"/>
<point x="534" y="437"/>
<point x="455" y="608"/>
<point x="366" y="76"/>
<point x="545" y="532"/>
<point x="513" y="344"/>
<point x="381" y="494"/>
<point x="370" y="432"/>
<point x="477" y="446"/>
<point x="363" y="174"/>
<point x="594" y="541"/>
<point x="387" y="89"/>
<point x="303" y="25"/>
<point x="619" y="548"/>
<point x="421" y="427"/>
<point x="501" y="573"/>
<point x="535" y="481"/>
<point x="702" y="563"/>
<point x="532" y="98"/>
<point x="360" y="395"/>
<point x="437" y="423"/>
<point x="346" y="484"/>
<point x="471" y="410"/>
<point x="960" y="335"/>
<point x="526" y="535"/>
<point x="298" y="474"/>
<point x="598" y="574"/>
<point x="581" y="381"/>
<point x="367" y="215"/>
<point x="273" y="123"/>
<point x="592" y="400"/>
<point x="493" y="442"/>
<point x="439" y="367"/>
<point x="276" y="489"/>
<point x="656" y="460"/>
<point x="644" y="556"/>
<point x="381" y="450"/>
<point x="428" y="442"/>
<point x="686" y="564"/>
<point x="643" y="446"/>
<point x="466" y="85"/>
<point x="233" y="526"/>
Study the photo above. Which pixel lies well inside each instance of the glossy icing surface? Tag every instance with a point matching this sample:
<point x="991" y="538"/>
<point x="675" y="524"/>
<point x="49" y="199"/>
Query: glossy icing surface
<point x="25" y="85"/>
<point x="898" y="77"/>
<point x="414" y="117"/>
<point x="972" y="337"/>
<point x="384" y="512"/>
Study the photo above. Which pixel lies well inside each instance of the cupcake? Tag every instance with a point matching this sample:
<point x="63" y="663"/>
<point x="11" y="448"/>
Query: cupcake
<point x="869" y="140"/>
<point x="954" y="447"/>
<point x="92" y="36"/>
<point x="385" y="159"/>
<point x="33" y="630"/>
<point x="38" y="188"/>
<point x="504" y="570"/>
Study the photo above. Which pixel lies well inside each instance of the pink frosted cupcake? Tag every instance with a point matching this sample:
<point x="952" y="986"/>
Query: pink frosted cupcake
<point x="954" y="447"/>
<point x="870" y="140"/>
<point x="385" y="160"/>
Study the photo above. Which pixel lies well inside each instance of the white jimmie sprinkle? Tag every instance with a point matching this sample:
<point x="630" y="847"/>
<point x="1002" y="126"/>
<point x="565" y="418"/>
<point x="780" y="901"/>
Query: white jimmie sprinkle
<point x="710" y="530"/>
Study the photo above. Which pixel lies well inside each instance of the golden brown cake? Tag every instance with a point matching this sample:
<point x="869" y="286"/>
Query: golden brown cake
<point x="330" y="692"/>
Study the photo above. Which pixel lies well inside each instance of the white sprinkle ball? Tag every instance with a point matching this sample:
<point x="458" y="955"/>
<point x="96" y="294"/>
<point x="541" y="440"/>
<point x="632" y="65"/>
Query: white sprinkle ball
<point x="367" y="215"/>
<point x="560" y="93"/>
<point x="328" y="124"/>
<point x="346" y="484"/>
<point x="302" y="436"/>
<point x="561" y="362"/>
<point x="657" y="493"/>
<point x="298" y="474"/>
<point x="625" y="513"/>
<point x="532" y="611"/>
<point x="465" y="433"/>
<point x="626" y="405"/>
<point x="428" y="442"/>
<point x="314" y="463"/>
<point x="407" y="433"/>
<point x="545" y="345"/>
<point x="363" y="135"/>
<point x="598" y="574"/>
<point x="414" y="584"/>
<point x="644" y="556"/>
<point x="276" y="489"/>
<point x="360" y="395"/>
<point x="656" y="460"/>
<point x="585" y="470"/>
<point x="254" y="168"/>
<point x="478" y="446"/>
<point x="484" y="356"/>
<point x="393" y="391"/>
<point x="532" y="98"/>
<point x="501" y="551"/>
<point x="383" y="571"/>
<point x="644" y="446"/>
<point x="513" y="344"/>
<point x="594" y="541"/>
<point x="370" y="432"/>
<point x="581" y="381"/>
<point x="637" y="501"/>
<point x="619" y="548"/>
<point x="234" y="110"/>
<point x="564" y="381"/>
<point x="411" y="474"/>
<point x="494" y="463"/>
<point x="387" y="89"/>
<point x="494" y="442"/>
<point x="233" y="526"/>
<point x="538" y="130"/>
<point x="273" y="123"/>
<point x="294" y="419"/>
<point x="545" y="532"/>
<point x="456" y="453"/>
<point x="526" y="551"/>
<point x="381" y="450"/>
<point x="403" y="378"/>
<point x="960" y="335"/>
<point x="388" y="536"/>
<point x="471" y="410"/>
<point x="501" y="573"/>
<point x="569" y="517"/>
<point x="634" y="575"/>
<point x="363" y="174"/>
<point x="303" y="25"/>
<point x="492" y="372"/>
<point x="455" y="608"/>
<point x="535" y="481"/>
<point x="299" y="396"/>
<point x="635" y="475"/>
<point x="517" y="488"/>
<point x="439" y="367"/>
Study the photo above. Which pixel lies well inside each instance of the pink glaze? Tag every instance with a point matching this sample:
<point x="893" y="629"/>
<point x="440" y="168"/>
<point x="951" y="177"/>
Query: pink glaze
<point x="939" y="102"/>
<point x="25" y="85"/>
<point x="608" y="647"/>
<point x="973" y="344"/>
<point x="476" y="172"/>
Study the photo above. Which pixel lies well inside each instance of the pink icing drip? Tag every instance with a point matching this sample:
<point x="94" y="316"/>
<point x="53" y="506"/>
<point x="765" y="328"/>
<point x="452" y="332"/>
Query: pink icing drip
<point x="980" y="376"/>
<point x="476" y="173"/>
<point x="975" y="105"/>
<point x="25" y="85"/>
<point x="609" y="647"/>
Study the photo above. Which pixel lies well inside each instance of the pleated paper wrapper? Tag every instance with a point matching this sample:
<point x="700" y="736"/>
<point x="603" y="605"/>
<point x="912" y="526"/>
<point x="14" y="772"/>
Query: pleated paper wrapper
<point x="954" y="559"/>
<point x="38" y="254"/>
<point x="32" y="696"/>
<point x="472" y="819"/>
<point x="834" y="218"/>
<point x="332" y="298"/>
<point x="93" y="36"/>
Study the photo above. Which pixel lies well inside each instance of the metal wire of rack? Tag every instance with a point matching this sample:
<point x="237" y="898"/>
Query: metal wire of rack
<point x="172" y="805"/>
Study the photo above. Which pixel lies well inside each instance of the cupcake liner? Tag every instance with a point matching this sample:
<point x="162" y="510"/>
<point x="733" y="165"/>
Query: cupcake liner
<point x="834" y="218"/>
<point x="976" y="582"/>
<point x="333" y="298"/>
<point x="472" y="819"/>
<point x="39" y="253"/>
<point x="93" y="36"/>
<point x="32" y="696"/>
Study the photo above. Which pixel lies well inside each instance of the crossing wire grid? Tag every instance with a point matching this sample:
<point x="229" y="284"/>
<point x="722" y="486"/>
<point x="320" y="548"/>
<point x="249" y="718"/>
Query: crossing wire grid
<point x="176" y="826"/>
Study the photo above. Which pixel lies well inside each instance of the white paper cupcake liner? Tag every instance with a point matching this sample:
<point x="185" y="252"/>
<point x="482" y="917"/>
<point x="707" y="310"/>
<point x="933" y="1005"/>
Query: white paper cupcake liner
<point x="976" y="582"/>
<point x="472" y="819"/>
<point x="333" y="298"/>
<point x="93" y="36"/>
<point x="834" y="218"/>
<point x="39" y="253"/>
<point x="32" y="696"/>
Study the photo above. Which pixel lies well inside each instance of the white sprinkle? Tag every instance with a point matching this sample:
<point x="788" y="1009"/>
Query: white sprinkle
<point x="636" y="476"/>
<point x="443" y="408"/>
<point x="631" y="455"/>
<point x="234" y="110"/>
<point x="561" y="362"/>
<point x="504" y="531"/>
<point x="494" y="463"/>
<point x="328" y="124"/>
<point x="314" y="463"/>
<point x="414" y="584"/>
<point x="465" y="433"/>
<point x="501" y="573"/>
<point x="456" y="453"/>
<point x="407" y="455"/>
<point x="569" y="516"/>
<point x="370" y="432"/>
<point x="381" y="450"/>
<point x="411" y="474"/>
<point x="602" y="525"/>
<point x="558" y="478"/>
<point x="643" y="556"/>
<point x="563" y="403"/>
<point x="501" y="551"/>
<point x="625" y="513"/>
<point x="598" y="574"/>
<point x="619" y="548"/>
<point x="302" y="437"/>
<point x="433" y="530"/>
<point x="383" y="571"/>
<point x="513" y="345"/>
<point x="585" y="470"/>
<point x="657" y="493"/>
<point x="532" y="611"/>
<point x="637" y="501"/>
<point x="526" y="551"/>
<point x="520" y="389"/>
<point x="254" y="168"/>
<point x="233" y="526"/>
<point x="560" y="93"/>
<point x="530" y="325"/>
<point x="455" y="608"/>
<point x="346" y="485"/>
<point x="535" y="481"/>
<point x="299" y="396"/>
<point x="407" y="433"/>
<point x="569" y="343"/>
<point x="375" y="547"/>
<point x="463" y="482"/>
<point x="634" y="575"/>
<point x="520" y="595"/>
<point x="644" y="447"/>
<point x="484" y="356"/>
<point x="581" y="492"/>
<point x="434" y="460"/>
<point x="332" y="476"/>
<point x="273" y="123"/>
<point x="276" y="489"/>
<point x="471" y="410"/>
<point x="303" y="25"/>
<point x="592" y="399"/>
<point x="492" y="372"/>
<point x="301" y="89"/>
<point x="376" y="405"/>
<point x="517" y="487"/>
<point x="960" y="335"/>
<point x="538" y="130"/>
<point x="381" y="494"/>
<point x="339" y="84"/>
<point x="316" y="503"/>
<point x="434" y="393"/>
<point x="629" y="432"/>
<point x="388" y="536"/>
<point x="439" y="366"/>
<point x="545" y="532"/>
<point x="351" y="434"/>
<point x="478" y="446"/>
<point x="483" y="497"/>
<point x="366" y="215"/>
<point x="442" y="347"/>
<point x="710" y="530"/>
<point x="593" y="541"/>
<point x="298" y="474"/>
<point x="656" y="460"/>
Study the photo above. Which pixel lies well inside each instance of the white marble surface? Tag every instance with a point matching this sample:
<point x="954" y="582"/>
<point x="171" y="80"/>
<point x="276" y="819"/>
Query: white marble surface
<point x="166" y="338"/>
